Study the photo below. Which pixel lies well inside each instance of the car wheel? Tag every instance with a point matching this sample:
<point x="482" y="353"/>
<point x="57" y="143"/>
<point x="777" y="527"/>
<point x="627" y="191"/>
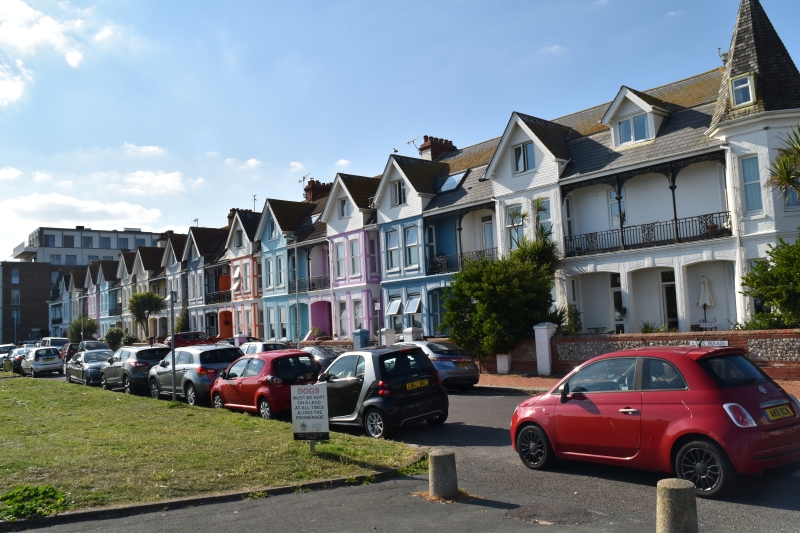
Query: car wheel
<point x="534" y="448"/>
<point x="191" y="394"/>
<point x="465" y="388"/>
<point x="437" y="420"/>
<point x="264" y="409"/>
<point x="707" y="466"/>
<point x="375" y="424"/>
<point x="103" y="383"/>
<point x="217" y="401"/>
<point x="85" y="380"/>
<point x="154" y="392"/>
<point x="783" y="471"/>
<point x="61" y="372"/>
<point x="34" y="374"/>
<point x="126" y="384"/>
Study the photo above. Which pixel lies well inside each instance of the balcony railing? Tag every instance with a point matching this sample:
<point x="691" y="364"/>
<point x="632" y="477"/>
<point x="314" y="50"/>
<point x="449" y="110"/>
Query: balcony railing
<point x="115" y="311"/>
<point x="56" y="320"/>
<point x="218" y="297"/>
<point x="314" y="283"/>
<point x="702" y="227"/>
<point x="443" y="264"/>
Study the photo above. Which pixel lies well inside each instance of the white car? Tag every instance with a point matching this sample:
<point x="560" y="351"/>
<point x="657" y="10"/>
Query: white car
<point x="40" y="360"/>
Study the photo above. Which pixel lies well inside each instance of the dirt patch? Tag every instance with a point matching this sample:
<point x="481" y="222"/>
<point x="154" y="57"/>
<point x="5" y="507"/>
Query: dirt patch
<point x="549" y="514"/>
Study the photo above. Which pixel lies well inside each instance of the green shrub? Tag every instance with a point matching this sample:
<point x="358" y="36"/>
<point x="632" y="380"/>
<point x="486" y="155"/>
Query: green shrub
<point x="114" y="338"/>
<point x="571" y="323"/>
<point x="30" y="502"/>
<point x="74" y="331"/>
<point x="764" y="321"/>
<point x="652" y="327"/>
<point x="128" y="339"/>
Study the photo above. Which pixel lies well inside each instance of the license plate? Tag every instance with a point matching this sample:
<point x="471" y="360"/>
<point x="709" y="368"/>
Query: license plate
<point x="49" y="359"/>
<point x="463" y="365"/>
<point x="416" y="384"/>
<point x="776" y="413"/>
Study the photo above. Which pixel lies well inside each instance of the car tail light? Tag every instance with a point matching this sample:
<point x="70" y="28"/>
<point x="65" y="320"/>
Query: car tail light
<point x="59" y="356"/>
<point x="796" y="401"/>
<point x="273" y="380"/>
<point x="210" y="372"/>
<point x="739" y="415"/>
<point x="433" y="358"/>
<point x="139" y="364"/>
<point x="36" y="358"/>
<point x="383" y="388"/>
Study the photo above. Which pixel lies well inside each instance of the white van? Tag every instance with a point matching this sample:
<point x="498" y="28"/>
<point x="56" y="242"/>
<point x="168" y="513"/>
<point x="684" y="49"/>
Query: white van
<point x="53" y="342"/>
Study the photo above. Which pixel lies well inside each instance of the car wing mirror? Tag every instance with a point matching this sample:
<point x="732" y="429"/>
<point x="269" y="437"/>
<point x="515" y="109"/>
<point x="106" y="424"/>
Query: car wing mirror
<point x="110" y="360"/>
<point x="322" y="376"/>
<point x="164" y="363"/>
<point x="224" y="375"/>
<point x="565" y="395"/>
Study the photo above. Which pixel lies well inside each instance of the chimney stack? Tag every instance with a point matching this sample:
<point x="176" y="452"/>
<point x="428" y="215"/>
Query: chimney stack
<point x="433" y="148"/>
<point x="316" y="189"/>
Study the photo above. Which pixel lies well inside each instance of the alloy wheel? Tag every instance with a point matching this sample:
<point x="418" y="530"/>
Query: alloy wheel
<point x="217" y="401"/>
<point x="532" y="447"/>
<point x="264" y="410"/>
<point x="104" y="383"/>
<point x="701" y="468"/>
<point x="154" y="392"/>
<point x="126" y="384"/>
<point x="191" y="395"/>
<point x="375" y="425"/>
<point x="85" y="379"/>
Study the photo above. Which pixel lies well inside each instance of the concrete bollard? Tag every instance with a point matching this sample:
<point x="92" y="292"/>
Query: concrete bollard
<point x="676" y="506"/>
<point x="442" y="479"/>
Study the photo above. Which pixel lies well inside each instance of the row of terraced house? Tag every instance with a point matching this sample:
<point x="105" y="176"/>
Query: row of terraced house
<point x="647" y="195"/>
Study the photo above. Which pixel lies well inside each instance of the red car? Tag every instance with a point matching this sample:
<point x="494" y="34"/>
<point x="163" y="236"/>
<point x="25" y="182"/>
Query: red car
<point x="68" y="350"/>
<point x="190" y="338"/>
<point x="261" y="382"/>
<point x="702" y="414"/>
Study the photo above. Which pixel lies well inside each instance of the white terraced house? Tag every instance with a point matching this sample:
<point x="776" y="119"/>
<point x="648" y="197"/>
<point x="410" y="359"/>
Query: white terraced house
<point x="660" y="192"/>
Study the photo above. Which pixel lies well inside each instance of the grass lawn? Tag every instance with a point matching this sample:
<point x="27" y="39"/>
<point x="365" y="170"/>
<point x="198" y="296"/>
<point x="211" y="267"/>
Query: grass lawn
<point x="104" y="448"/>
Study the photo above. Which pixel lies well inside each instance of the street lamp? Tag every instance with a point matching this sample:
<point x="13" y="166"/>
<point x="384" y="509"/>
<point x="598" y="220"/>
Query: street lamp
<point x="171" y="300"/>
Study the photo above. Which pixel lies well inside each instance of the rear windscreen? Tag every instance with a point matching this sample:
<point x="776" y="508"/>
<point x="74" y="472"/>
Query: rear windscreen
<point x="58" y="342"/>
<point x="446" y="348"/>
<point x="732" y="371"/>
<point x="97" y="357"/>
<point x="6" y="349"/>
<point x="295" y="368"/>
<point x="405" y="362"/>
<point x="47" y="352"/>
<point x="224" y="355"/>
<point x="156" y="354"/>
<point x="94" y="346"/>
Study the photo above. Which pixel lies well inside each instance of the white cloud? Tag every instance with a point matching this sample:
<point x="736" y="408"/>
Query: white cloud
<point x="152" y="183"/>
<point x="12" y="84"/>
<point x="145" y="150"/>
<point x="231" y="161"/>
<point x="24" y="30"/>
<point x="212" y="154"/>
<point x="196" y="182"/>
<point x="9" y="173"/>
<point x="294" y="166"/>
<point x="64" y="183"/>
<point x="553" y="49"/>
<point x="107" y="31"/>
<point x="251" y="163"/>
<point x="342" y="163"/>
<point x="74" y="58"/>
<point x="41" y="177"/>
<point x="674" y="13"/>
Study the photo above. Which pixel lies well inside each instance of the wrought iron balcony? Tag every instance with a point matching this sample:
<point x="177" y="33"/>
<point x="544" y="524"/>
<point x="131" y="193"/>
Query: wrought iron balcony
<point x="314" y="283"/>
<point x="56" y="320"/>
<point x="220" y="297"/>
<point x="443" y="264"/>
<point x="699" y="228"/>
<point x="115" y="311"/>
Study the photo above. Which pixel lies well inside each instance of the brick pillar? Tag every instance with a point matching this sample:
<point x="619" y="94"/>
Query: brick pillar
<point x="543" y="332"/>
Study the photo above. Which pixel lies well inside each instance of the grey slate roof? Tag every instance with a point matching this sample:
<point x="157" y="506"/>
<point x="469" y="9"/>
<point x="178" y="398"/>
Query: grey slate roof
<point x="421" y="172"/>
<point x="553" y="135"/>
<point x="756" y="47"/>
<point x="109" y="269"/>
<point x="249" y="220"/>
<point x="471" y="190"/>
<point x="361" y="188"/>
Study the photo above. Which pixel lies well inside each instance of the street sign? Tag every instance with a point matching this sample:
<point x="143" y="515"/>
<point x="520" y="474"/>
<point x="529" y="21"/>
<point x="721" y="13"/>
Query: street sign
<point x="310" y="412"/>
<point x="709" y="343"/>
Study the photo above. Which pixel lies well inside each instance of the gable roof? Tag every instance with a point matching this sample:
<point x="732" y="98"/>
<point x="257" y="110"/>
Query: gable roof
<point x="109" y="270"/>
<point x="178" y="242"/>
<point x="420" y="172"/>
<point x="128" y="258"/>
<point x="78" y="279"/>
<point x="360" y="188"/>
<point x="207" y="240"/>
<point x="93" y="270"/>
<point x="553" y="135"/>
<point x="150" y="257"/>
<point x="756" y="47"/>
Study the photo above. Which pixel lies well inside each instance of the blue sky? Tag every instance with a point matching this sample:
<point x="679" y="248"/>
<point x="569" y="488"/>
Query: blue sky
<point x="151" y="114"/>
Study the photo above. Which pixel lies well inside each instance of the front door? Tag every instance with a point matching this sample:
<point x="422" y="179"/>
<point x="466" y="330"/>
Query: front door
<point x="602" y="415"/>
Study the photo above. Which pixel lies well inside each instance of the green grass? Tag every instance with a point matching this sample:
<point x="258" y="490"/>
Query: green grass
<point x="103" y="448"/>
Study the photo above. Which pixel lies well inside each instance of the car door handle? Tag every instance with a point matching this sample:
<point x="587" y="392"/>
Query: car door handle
<point x="629" y="411"/>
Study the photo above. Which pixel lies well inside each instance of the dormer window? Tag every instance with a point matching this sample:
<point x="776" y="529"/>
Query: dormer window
<point x="524" y="158"/>
<point x="633" y="129"/>
<point x="344" y="208"/>
<point x="238" y="238"/>
<point x="271" y="230"/>
<point x="399" y="192"/>
<point x="742" y="90"/>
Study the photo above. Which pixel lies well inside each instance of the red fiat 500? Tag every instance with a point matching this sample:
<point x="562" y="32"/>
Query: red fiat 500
<point x="703" y="414"/>
<point x="261" y="382"/>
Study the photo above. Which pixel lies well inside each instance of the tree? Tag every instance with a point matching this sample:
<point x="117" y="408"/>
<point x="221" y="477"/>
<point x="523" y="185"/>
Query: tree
<point x="182" y="322"/>
<point x="776" y="283"/>
<point x="113" y="338"/>
<point x="784" y="173"/>
<point x="491" y="306"/>
<point x="74" y="330"/>
<point x="142" y="305"/>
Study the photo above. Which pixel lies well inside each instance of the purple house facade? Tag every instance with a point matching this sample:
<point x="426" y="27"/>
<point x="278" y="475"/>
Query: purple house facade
<point x="353" y="301"/>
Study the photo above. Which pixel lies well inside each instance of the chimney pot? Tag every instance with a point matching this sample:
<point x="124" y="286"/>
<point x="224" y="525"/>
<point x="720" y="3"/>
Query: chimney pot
<point x="434" y="147"/>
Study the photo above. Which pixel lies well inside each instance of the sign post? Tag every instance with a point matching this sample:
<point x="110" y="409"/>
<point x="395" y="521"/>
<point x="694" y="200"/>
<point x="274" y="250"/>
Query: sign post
<point x="310" y="413"/>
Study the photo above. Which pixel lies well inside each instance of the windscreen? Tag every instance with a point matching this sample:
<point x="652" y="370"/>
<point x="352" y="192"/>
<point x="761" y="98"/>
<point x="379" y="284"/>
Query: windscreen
<point x="155" y="354"/>
<point x="6" y="349"/>
<point x="224" y="355"/>
<point x="297" y="368"/>
<point x="732" y="371"/>
<point x="97" y="357"/>
<point x="94" y="346"/>
<point x="446" y="348"/>
<point x="405" y="362"/>
<point x="58" y="343"/>
<point x="47" y="352"/>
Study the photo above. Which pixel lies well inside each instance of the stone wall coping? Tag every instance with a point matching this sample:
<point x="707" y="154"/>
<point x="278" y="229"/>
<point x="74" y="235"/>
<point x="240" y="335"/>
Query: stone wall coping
<point x="769" y="333"/>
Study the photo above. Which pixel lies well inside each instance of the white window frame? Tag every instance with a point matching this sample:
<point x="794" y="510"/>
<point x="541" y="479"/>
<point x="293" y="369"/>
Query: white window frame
<point x="271" y="323"/>
<point x="751" y="86"/>
<point x="413" y="309"/>
<point x="282" y="320"/>
<point x="272" y="232"/>
<point x="345" y="209"/>
<point x="247" y="322"/>
<point x="430" y="242"/>
<point x="392" y="253"/>
<point x="752" y="186"/>
<point x="647" y="129"/>
<point x="622" y="207"/>
<point x="568" y="216"/>
<point x="269" y="273"/>
<point x="355" y="257"/>
<point x="411" y="250"/>
<point x="373" y="255"/>
<point x="399" y="195"/>
<point x="513" y="211"/>
<point x="238" y="238"/>
<point x="342" y="311"/>
<point x="246" y="279"/>
<point x="523" y="153"/>
<point x="339" y="258"/>
<point x="279" y="270"/>
<point x="358" y="320"/>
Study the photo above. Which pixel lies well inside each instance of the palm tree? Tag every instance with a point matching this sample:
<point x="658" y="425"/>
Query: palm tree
<point x="539" y="206"/>
<point x="143" y="305"/>
<point x="784" y="173"/>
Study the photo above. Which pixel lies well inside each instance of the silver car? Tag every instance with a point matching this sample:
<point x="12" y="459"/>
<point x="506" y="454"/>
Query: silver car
<point x="455" y="365"/>
<point x="40" y="360"/>
<point x="196" y="370"/>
